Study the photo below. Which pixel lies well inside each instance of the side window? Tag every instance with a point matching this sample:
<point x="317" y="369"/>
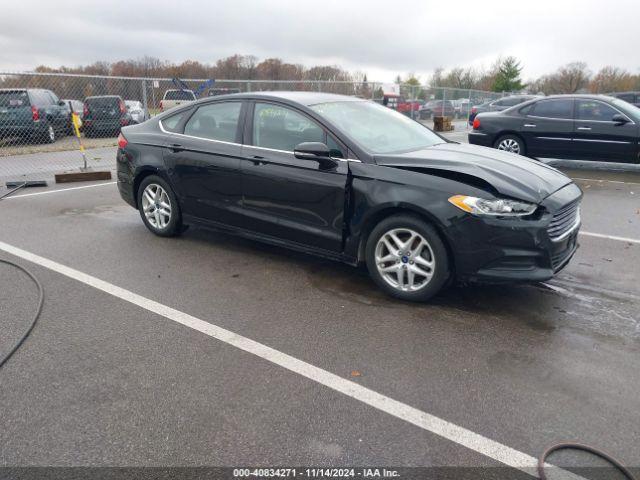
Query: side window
<point x="336" y="149"/>
<point x="594" y="110"/>
<point x="498" y="103"/>
<point x="557" y="108"/>
<point x="37" y="98"/>
<point x="526" y="110"/>
<point x="171" y="123"/>
<point x="217" y="121"/>
<point x="510" y="102"/>
<point x="52" y="97"/>
<point x="281" y="128"/>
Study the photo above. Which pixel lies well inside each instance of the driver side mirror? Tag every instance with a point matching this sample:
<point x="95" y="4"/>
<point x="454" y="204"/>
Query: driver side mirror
<point x="317" y="151"/>
<point x="619" y="119"/>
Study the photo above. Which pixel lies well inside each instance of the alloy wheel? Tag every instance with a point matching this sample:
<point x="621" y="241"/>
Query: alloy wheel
<point x="405" y="259"/>
<point x="156" y="206"/>
<point x="509" y="145"/>
<point x="51" y="133"/>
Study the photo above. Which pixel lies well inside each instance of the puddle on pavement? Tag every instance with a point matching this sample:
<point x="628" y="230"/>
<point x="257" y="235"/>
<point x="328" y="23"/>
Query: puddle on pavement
<point x="95" y="210"/>
<point x="541" y="307"/>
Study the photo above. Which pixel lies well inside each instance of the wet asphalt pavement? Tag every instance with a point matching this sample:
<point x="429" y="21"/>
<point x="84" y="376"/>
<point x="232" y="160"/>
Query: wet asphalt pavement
<point x="103" y="382"/>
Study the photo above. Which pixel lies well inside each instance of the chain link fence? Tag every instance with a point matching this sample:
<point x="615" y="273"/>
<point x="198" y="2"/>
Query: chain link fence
<point x="38" y="137"/>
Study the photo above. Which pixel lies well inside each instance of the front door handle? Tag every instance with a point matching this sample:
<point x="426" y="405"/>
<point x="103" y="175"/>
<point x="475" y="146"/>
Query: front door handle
<point x="530" y="125"/>
<point x="176" y="147"/>
<point x="258" y="160"/>
<point x="584" y="128"/>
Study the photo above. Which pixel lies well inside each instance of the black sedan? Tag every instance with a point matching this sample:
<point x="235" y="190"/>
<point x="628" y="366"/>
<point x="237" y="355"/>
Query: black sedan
<point x="582" y="127"/>
<point x="350" y="180"/>
<point x="499" y="105"/>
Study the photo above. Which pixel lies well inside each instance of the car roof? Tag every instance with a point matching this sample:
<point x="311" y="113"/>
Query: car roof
<point x="102" y="96"/>
<point x="304" y="98"/>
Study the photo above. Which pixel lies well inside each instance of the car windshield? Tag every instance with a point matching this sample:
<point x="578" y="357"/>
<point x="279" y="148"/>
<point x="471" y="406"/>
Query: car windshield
<point x="16" y="98"/>
<point x="103" y="102"/>
<point x="377" y="129"/>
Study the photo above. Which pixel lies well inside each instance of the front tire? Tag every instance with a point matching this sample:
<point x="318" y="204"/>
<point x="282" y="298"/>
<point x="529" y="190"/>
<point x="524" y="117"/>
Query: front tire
<point x="510" y="143"/>
<point x="158" y="207"/>
<point x="406" y="258"/>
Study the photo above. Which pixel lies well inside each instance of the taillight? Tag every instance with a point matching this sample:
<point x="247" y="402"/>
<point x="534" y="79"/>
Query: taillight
<point x="35" y="114"/>
<point x="476" y="123"/>
<point x="123" y="107"/>
<point x="161" y="107"/>
<point x="122" y="142"/>
<point x="85" y="110"/>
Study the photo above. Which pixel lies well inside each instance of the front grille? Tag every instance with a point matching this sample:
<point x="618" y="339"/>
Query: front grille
<point x="559" y="258"/>
<point x="564" y="220"/>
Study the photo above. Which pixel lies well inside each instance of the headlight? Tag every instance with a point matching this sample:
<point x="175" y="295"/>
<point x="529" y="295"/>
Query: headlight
<point x="500" y="207"/>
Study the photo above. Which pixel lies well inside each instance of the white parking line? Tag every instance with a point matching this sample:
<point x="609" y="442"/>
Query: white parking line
<point x="13" y="197"/>
<point x="610" y="237"/>
<point x="426" y="421"/>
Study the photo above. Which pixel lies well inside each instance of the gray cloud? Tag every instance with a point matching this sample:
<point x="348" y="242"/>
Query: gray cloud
<point x="379" y="37"/>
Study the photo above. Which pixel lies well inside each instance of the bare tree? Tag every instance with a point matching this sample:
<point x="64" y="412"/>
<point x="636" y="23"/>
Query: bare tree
<point x="611" y="79"/>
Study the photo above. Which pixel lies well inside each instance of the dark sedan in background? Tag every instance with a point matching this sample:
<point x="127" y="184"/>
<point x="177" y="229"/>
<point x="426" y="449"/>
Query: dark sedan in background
<point x="350" y="180"/>
<point x="581" y="127"/>
<point x="499" y="105"/>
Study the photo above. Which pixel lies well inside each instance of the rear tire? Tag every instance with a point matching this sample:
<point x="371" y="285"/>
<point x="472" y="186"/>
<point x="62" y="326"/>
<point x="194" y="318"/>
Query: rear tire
<point x="511" y="143"/>
<point x="158" y="207"/>
<point x="406" y="258"/>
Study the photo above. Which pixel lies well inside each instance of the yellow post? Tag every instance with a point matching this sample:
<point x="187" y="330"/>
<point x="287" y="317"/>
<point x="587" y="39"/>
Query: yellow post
<point x="75" y="119"/>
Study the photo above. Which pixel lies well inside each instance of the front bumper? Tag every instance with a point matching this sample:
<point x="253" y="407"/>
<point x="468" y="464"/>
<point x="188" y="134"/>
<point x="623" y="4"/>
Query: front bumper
<point x="497" y="250"/>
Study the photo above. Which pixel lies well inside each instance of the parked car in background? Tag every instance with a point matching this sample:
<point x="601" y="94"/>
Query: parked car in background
<point x="462" y="107"/>
<point x="105" y="115"/>
<point x="137" y="111"/>
<point x="78" y="108"/>
<point x="32" y="114"/>
<point x="214" y="92"/>
<point x="410" y="108"/>
<point x="585" y="127"/>
<point x="631" y="97"/>
<point x="353" y="181"/>
<point x="173" y="98"/>
<point x="499" y="105"/>
<point x="437" y="108"/>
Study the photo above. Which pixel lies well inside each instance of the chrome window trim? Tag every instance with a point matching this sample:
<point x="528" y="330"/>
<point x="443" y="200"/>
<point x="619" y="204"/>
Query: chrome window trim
<point x="603" y="121"/>
<point x="551" y="118"/>
<point x="244" y="145"/>
<point x="293" y="153"/>
<point x="197" y="138"/>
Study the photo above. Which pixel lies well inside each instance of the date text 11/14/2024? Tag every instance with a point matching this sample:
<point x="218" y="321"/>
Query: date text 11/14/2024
<point x="315" y="473"/>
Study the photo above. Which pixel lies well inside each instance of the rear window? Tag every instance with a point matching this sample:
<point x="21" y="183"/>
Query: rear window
<point x="179" y="95"/>
<point x="171" y="123"/>
<point x="103" y="102"/>
<point x="14" y="99"/>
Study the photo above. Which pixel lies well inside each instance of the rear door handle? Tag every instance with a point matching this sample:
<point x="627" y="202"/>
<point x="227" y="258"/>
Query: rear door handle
<point x="176" y="147"/>
<point x="258" y="160"/>
<point x="584" y="128"/>
<point x="530" y="125"/>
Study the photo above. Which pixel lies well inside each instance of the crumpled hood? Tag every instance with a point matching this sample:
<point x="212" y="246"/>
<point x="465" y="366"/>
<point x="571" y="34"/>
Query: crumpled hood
<point x="512" y="175"/>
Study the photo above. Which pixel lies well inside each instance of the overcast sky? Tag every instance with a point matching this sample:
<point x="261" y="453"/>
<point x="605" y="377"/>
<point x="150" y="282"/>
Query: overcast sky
<point x="381" y="38"/>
